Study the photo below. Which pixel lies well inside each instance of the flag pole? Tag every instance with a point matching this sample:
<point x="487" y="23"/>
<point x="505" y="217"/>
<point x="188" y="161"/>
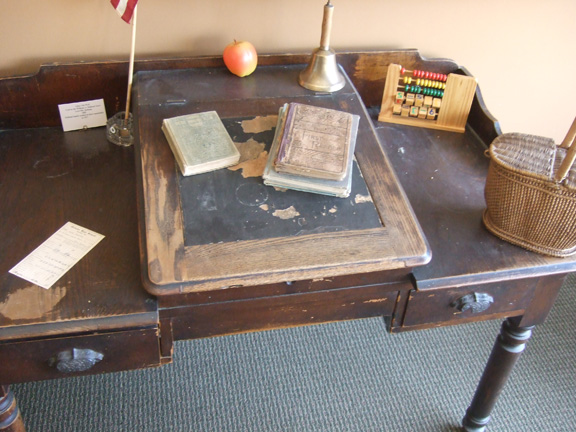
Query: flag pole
<point x="131" y="64"/>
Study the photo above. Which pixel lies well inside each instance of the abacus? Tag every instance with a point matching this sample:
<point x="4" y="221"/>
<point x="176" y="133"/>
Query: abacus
<point x="427" y="99"/>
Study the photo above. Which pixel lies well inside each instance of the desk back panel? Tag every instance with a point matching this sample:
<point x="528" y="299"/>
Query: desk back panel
<point x="30" y="101"/>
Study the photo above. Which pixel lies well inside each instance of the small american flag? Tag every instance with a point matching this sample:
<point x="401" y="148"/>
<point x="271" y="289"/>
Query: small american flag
<point x="125" y="8"/>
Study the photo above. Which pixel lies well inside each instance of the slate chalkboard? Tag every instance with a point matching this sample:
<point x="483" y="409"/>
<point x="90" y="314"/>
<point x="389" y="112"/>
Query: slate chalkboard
<point x="233" y="204"/>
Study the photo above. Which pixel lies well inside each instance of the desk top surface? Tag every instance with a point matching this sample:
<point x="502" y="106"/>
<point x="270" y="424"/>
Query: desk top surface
<point x="48" y="178"/>
<point x="250" y="233"/>
<point x="79" y="176"/>
<point x="443" y="174"/>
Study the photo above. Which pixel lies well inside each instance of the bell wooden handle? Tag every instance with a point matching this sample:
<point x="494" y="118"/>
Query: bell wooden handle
<point x="326" y="26"/>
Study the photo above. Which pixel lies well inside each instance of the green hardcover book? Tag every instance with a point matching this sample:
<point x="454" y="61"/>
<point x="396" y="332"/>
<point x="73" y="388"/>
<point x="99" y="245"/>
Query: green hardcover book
<point x="200" y="142"/>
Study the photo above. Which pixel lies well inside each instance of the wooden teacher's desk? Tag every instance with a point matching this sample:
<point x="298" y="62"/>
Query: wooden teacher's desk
<point x="220" y="253"/>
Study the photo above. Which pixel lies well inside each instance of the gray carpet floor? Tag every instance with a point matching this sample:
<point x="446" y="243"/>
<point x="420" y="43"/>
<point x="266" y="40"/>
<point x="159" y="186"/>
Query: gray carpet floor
<point x="344" y="377"/>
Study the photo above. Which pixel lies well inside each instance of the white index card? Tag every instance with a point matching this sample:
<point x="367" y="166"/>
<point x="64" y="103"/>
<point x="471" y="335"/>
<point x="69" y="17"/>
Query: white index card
<point x="82" y="115"/>
<point x="58" y="254"/>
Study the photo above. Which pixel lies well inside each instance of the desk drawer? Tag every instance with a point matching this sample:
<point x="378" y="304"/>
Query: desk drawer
<point x="78" y="355"/>
<point x="280" y="311"/>
<point x="470" y="303"/>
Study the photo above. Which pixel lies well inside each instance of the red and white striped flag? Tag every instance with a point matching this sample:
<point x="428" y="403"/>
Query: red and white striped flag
<point x="125" y="8"/>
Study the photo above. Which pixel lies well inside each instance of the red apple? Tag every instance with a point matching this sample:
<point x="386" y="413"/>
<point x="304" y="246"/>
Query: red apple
<point x="240" y="58"/>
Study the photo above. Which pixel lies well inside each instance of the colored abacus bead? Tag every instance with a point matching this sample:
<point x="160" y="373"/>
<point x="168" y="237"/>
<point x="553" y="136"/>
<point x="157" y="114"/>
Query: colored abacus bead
<point x="432" y="92"/>
<point x="413" y="89"/>
<point x="434" y="76"/>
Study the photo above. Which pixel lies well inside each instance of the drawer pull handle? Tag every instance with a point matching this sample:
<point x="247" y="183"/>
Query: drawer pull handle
<point x="76" y="360"/>
<point x="476" y="302"/>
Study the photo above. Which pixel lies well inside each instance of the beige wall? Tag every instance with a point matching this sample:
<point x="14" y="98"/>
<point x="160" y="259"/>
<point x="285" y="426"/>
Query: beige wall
<point x="521" y="51"/>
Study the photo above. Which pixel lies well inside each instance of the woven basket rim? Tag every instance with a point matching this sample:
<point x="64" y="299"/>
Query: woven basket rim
<point x="526" y="173"/>
<point x="532" y="181"/>
<point x="509" y="138"/>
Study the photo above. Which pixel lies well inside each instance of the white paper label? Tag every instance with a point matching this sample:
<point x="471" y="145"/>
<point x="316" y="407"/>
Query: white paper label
<point x="53" y="258"/>
<point x="81" y="115"/>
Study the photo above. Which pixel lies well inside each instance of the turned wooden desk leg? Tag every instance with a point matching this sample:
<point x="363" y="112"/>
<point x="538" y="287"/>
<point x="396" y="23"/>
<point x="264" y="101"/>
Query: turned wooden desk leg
<point x="507" y="349"/>
<point x="10" y="419"/>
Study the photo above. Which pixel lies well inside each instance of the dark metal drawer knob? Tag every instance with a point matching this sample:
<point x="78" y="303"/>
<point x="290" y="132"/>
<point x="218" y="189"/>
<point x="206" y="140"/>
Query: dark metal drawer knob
<point x="75" y="360"/>
<point x="476" y="302"/>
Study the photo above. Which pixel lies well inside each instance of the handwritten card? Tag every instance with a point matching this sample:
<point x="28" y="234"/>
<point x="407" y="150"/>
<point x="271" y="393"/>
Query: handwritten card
<point x="81" y="115"/>
<point x="53" y="258"/>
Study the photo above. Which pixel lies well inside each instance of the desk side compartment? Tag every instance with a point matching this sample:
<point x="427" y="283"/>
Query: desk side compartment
<point x="66" y="356"/>
<point x="431" y="308"/>
<point x="97" y="317"/>
<point x="528" y="298"/>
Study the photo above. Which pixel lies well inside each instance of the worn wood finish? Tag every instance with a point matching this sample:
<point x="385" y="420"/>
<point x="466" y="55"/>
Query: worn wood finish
<point x="240" y="316"/>
<point x="34" y="360"/>
<point x="103" y="294"/>
<point x="429" y="163"/>
<point x="31" y="101"/>
<point x="179" y="265"/>
<point x="427" y="308"/>
<point x="265" y="307"/>
<point x="216" y="207"/>
<point x="466" y="257"/>
<point x="284" y="288"/>
<point x="48" y="178"/>
<point x="547" y="290"/>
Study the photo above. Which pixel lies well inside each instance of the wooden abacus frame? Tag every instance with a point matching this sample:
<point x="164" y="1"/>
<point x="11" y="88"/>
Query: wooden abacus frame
<point x="452" y="115"/>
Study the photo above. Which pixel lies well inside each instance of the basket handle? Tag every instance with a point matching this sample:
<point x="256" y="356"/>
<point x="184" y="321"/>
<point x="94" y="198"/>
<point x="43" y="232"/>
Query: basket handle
<point x="569" y="136"/>
<point x="570" y="155"/>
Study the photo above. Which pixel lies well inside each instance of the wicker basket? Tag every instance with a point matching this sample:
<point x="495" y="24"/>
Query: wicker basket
<point x="531" y="192"/>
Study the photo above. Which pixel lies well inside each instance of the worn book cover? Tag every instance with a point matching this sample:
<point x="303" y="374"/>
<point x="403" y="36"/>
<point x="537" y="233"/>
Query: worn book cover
<point x="272" y="177"/>
<point x="316" y="142"/>
<point x="200" y="142"/>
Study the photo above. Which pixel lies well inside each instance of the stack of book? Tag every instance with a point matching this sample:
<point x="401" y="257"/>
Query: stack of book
<point x="313" y="150"/>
